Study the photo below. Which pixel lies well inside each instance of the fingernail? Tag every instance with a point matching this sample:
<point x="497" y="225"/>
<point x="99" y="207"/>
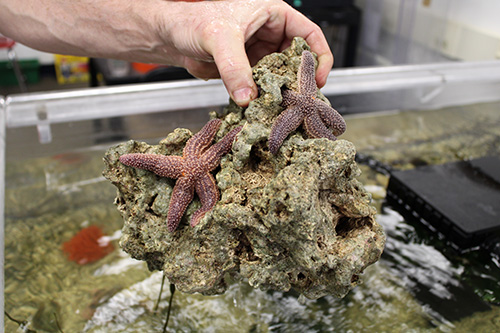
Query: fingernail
<point x="242" y="96"/>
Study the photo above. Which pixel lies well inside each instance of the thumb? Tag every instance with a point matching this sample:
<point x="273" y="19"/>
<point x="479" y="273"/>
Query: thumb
<point x="234" y="69"/>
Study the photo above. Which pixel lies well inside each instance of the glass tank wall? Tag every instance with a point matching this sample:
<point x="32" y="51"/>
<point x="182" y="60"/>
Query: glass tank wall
<point x="51" y="145"/>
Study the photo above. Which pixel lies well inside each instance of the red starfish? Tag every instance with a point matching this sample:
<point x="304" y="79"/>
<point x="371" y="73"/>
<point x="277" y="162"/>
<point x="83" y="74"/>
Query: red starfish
<point x="192" y="171"/>
<point x="304" y="107"/>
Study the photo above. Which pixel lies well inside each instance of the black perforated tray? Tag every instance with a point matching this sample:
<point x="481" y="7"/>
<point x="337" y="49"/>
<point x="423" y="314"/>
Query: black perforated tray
<point x="461" y="200"/>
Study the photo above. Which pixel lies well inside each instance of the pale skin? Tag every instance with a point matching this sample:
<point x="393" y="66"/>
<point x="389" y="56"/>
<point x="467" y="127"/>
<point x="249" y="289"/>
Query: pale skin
<point x="211" y="39"/>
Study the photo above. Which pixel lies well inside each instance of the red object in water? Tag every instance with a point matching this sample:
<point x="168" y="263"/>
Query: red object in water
<point x="85" y="246"/>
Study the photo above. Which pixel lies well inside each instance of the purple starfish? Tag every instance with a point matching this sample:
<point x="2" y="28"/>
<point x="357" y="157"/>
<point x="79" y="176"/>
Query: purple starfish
<point x="304" y="107"/>
<point x="192" y="171"/>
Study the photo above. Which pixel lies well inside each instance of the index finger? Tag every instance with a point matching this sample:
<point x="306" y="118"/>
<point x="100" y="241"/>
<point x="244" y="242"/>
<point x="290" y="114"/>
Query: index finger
<point x="297" y="24"/>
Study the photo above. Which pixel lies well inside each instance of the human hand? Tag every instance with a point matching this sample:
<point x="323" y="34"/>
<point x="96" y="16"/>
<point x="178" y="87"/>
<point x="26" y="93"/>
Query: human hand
<point x="210" y="38"/>
<point x="214" y="39"/>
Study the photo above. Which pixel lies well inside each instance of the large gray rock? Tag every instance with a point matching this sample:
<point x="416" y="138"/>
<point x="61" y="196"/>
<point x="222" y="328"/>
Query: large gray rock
<point x="299" y="219"/>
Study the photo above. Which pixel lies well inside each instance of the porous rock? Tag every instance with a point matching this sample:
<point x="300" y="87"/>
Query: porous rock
<point x="298" y="220"/>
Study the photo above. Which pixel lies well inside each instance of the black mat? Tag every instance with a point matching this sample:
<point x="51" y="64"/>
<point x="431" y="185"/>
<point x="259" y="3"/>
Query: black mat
<point x="461" y="199"/>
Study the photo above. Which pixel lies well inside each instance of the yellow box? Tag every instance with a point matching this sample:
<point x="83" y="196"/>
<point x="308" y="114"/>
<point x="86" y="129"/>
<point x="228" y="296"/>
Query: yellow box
<point x="71" y="69"/>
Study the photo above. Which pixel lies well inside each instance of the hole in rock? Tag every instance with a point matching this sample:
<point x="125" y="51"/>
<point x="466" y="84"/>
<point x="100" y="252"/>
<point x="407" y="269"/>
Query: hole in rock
<point x="244" y="249"/>
<point x="120" y="200"/>
<point x="281" y="211"/>
<point x="154" y="260"/>
<point x="345" y="225"/>
<point x="320" y="243"/>
<point x="149" y="208"/>
<point x="255" y="157"/>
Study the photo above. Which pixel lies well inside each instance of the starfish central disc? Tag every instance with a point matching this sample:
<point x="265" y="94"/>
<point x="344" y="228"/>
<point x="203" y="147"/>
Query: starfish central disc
<point x="192" y="171"/>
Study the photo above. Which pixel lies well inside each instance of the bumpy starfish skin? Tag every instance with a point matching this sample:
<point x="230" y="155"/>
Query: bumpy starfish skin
<point x="192" y="171"/>
<point x="303" y="107"/>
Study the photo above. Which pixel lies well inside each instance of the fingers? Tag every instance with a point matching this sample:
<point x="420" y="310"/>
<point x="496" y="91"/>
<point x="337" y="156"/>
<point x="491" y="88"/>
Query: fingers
<point x="237" y="79"/>
<point x="299" y="25"/>
<point x="283" y="24"/>
<point x="201" y="69"/>
<point x="262" y="27"/>
<point x="234" y="67"/>
<point x="325" y="59"/>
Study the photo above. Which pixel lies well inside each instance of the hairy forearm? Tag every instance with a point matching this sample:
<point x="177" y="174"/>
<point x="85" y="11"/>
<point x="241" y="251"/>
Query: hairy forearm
<point x="208" y="38"/>
<point x="124" y="29"/>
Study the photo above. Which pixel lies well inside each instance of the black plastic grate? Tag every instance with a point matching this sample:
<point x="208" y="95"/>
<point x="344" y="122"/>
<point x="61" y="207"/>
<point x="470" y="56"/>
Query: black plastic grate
<point x="461" y="200"/>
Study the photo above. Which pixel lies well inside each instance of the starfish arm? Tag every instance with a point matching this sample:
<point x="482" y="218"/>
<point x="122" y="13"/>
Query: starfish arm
<point x="306" y="75"/>
<point x="182" y="195"/>
<point x="290" y="97"/>
<point x="331" y="117"/>
<point x="211" y="158"/>
<point x="315" y="127"/>
<point x="164" y="166"/>
<point x="199" y="142"/>
<point x="209" y="195"/>
<point x="287" y="122"/>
